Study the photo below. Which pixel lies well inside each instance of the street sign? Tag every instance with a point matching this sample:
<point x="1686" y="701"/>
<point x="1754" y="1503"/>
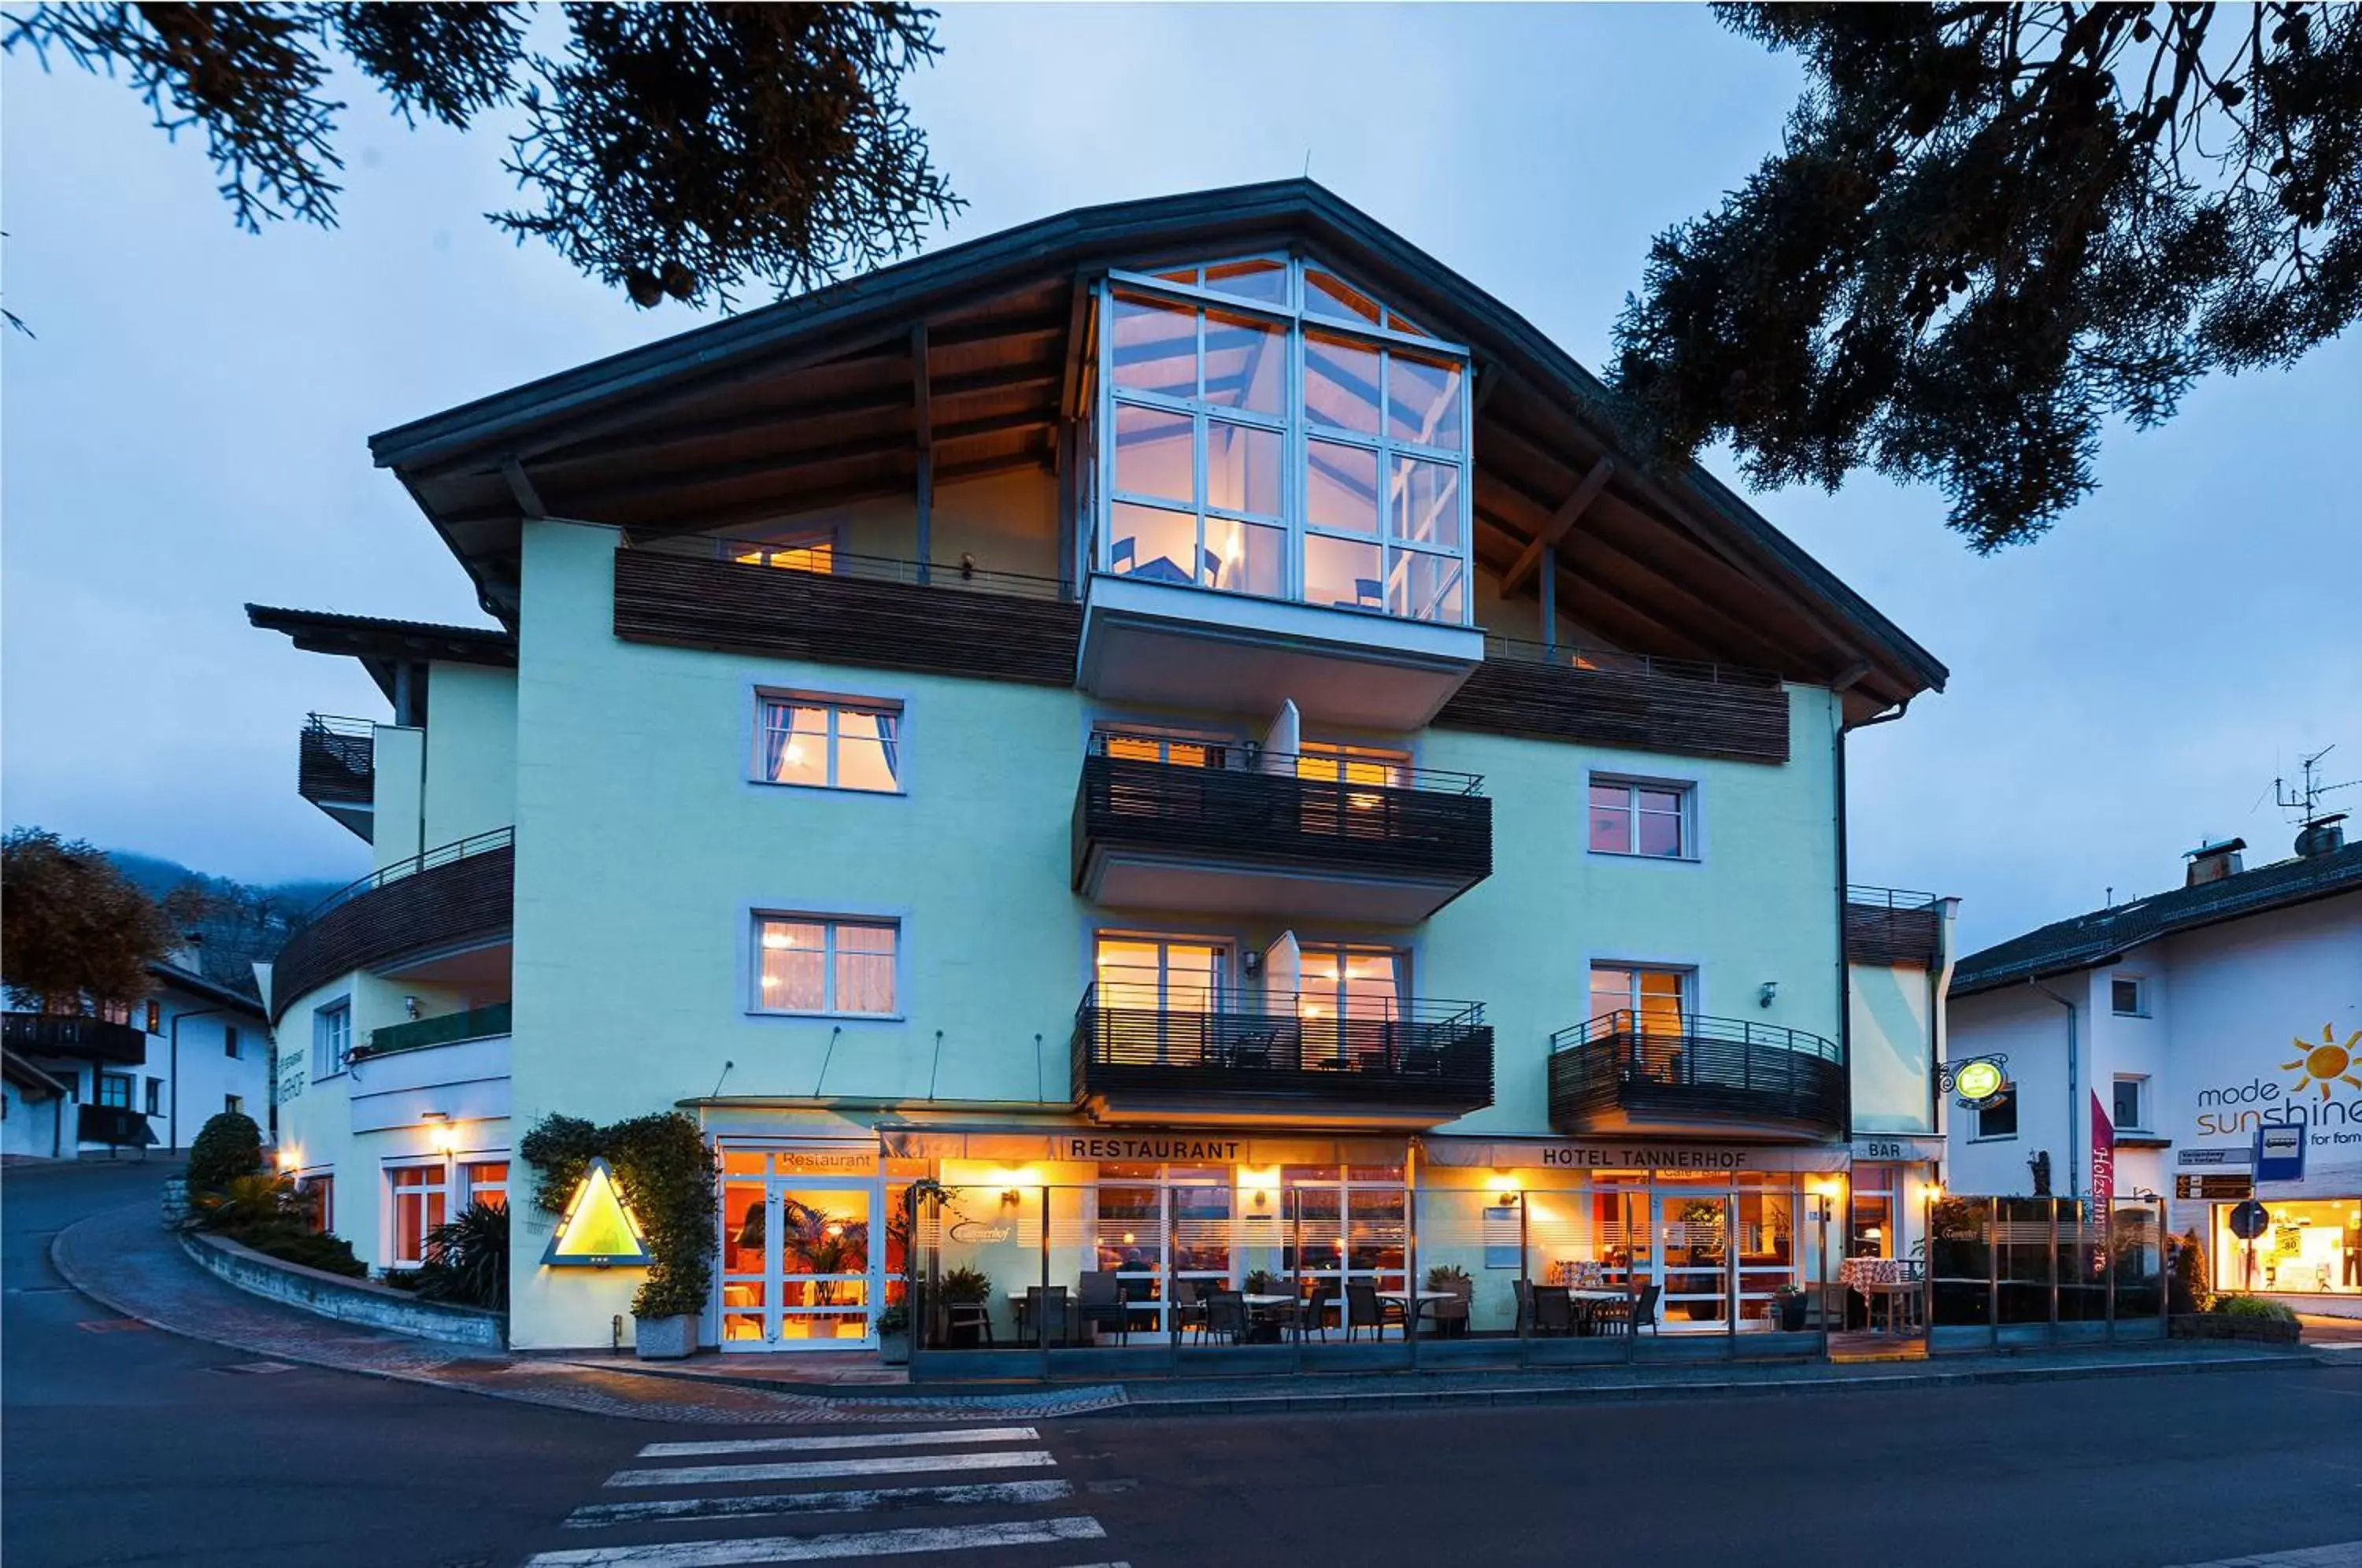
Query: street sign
<point x="2251" y="1220"/>
<point x="2241" y="1157"/>
<point x="1978" y="1081"/>
<point x="2279" y="1152"/>
<point x="2214" y="1189"/>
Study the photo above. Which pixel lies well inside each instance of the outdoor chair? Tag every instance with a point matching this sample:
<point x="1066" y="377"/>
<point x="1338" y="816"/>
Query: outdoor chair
<point x="1226" y="1317"/>
<point x="1312" y="1311"/>
<point x="1553" y="1309"/>
<point x="1046" y="1316"/>
<point x="1451" y="1318"/>
<point x="1253" y="1049"/>
<point x="1099" y="1302"/>
<point x="1189" y="1304"/>
<point x="1644" y="1309"/>
<point x="1525" y="1307"/>
<point x="1365" y="1310"/>
<point x="976" y="1315"/>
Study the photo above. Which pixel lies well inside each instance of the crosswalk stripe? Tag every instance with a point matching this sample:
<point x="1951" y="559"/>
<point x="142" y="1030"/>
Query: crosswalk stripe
<point x="823" y="1469"/>
<point x="870" y="1499"/>
<point x="812" y="1548"/>
<point x="857" y="1440"/>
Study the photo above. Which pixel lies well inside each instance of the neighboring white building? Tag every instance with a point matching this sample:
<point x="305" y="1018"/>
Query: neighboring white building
<point x="1059" y="716"/>
<point x="157" y="1068"/>
<point x="2146" y="1044"/>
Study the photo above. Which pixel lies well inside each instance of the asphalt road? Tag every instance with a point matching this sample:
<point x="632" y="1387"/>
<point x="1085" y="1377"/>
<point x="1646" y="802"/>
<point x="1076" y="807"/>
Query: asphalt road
<point x="124" y="1445"/>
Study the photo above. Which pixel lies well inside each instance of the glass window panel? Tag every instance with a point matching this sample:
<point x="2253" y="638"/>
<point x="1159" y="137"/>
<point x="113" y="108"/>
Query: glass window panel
<point x="1246" y="364"/>
<point x="1327" y="294"/>
<point x="1341" y="487"/>
<point x="1425" y="588"/>
<point x="1192" y="977"/>
<point x="1611" y="819"/>
<point x="1426" y="502"/>
<point x="1660" y="832"/>
<point x="1129" y="972"/>
<point x="1342" y="572"/>
<point x="814" y="555"/>
<point x="1154" y="454"/>
<point x="868" y="750"/>
<point x="795" y="749"/>
<point x="1340" y="384"/>
<point x="1261" y="279"/>
<point x="1242" y="468"/>
<point x="1246" y="557"/>
<point x="1155" y="348"/>
<point x="1423" y="400"/>
<point x="1402" y="323"/>
<point x="1661" y="800"/>
<point x="792" y="977"/>
<point x="1159" y="546"/>
<point x="1611" y="990"/>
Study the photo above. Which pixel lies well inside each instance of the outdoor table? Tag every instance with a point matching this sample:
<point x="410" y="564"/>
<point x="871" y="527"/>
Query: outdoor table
<point x="1593" y="1301"/>
<point x="1415" y="1303"/>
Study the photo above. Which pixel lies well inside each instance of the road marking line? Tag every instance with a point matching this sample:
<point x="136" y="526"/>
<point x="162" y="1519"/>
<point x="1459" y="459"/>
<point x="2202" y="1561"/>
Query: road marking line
<point x="866" y="1500"/>
<point x="2344" y="1554"/>
<point x="812" y="1548"/>
<point x="859" y="1439"/>
<point x="823" y="1469"/>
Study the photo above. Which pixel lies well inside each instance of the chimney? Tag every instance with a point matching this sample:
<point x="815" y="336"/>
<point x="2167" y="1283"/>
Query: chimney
<point x="2212" y="862"/>
<point x="2319" y="838"/>
<point x="190" y="955"/>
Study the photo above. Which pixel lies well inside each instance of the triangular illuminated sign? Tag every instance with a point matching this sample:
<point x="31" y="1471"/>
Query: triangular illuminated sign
<point x="598" y="1231"/>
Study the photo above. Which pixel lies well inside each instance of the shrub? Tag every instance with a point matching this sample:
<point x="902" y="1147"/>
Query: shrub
<point x="227" y="1147"/>
<point x="2191" y="1289"/>
<point x="410" y="1279"/>
<point x="2254" y="1307"/>
<point x="664" y="1174"/>
<point x="310" y="1249"/>
<point x="245" y="1203"/>
<point x="467" y="1259"/>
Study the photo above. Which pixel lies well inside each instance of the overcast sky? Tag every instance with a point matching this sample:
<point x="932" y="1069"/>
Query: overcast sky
<point x="187" y="433"/>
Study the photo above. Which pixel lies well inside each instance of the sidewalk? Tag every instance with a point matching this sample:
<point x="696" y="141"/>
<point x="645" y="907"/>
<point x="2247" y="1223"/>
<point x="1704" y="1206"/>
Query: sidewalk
<point x="124" y="1259"/>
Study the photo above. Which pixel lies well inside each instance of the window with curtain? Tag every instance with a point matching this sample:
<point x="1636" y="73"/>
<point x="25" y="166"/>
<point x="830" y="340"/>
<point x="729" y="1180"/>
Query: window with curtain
<point x="826" y="965"/>
<point x="827" y="745"/>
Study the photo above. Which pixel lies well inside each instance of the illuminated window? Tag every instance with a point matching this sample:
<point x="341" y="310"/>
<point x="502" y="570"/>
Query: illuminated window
<point x="810" y="552"/>
<point x="825" y="966"/>
<point x="419" y="1194"/>
<point x="1267" y="427"/>
<point x="1341" y="981"/>
<point x="1657" y="997"/>
<point x="1631" y="817"/>
<point x="1180" y="748"/>
<point x="1353" y="764"/>
<point x="829" y="744"/>
<point x="486" y="1182"/>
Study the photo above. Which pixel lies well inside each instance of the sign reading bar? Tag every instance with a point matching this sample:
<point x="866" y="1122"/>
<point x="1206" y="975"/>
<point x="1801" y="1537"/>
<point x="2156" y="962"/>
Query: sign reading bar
<point x="1896" y="1149"/>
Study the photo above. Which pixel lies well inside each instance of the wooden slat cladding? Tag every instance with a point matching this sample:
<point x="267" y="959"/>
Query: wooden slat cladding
<point x="1229" y="814"/>
<point x="1875" y="934"/>
<point x="1692" y="717"/>
<point x="727" y="607"/>
<point x="460" y="901"/>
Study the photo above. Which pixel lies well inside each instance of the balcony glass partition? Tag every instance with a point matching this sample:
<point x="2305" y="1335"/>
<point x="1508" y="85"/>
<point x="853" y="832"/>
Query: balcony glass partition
<point x="1265" y="428"/>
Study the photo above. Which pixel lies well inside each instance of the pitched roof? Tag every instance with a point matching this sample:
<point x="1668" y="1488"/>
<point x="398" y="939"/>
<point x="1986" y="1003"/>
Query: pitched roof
<point x="381" y="643"/>
<point x="237" y="997"/>
<point x="2088" y="939"/>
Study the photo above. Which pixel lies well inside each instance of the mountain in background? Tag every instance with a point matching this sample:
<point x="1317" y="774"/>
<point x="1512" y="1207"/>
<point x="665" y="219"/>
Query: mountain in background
<point x="248" y="921"/>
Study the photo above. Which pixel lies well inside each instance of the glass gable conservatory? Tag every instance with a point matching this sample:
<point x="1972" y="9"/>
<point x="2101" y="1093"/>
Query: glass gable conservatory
<point x="1265" y="427"/>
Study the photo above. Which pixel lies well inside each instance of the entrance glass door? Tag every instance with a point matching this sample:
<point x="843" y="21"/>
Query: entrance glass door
<point x="797" y="1266"/>
<point x="1694" y="1257"/>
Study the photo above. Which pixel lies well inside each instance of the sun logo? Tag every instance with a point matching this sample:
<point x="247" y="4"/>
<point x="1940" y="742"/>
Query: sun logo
<point x="2326" y="1063"/>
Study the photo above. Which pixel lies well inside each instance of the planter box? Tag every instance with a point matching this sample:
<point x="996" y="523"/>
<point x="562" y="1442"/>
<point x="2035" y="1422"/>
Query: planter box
<point x="664" y="1339"/>
<point x="348" y="1300"/>
<point x="894" y="1350"/>
<point x="2215" y="1326"/>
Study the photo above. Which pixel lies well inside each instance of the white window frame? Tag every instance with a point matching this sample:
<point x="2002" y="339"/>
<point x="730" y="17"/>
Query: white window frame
<point x="1634" y="969"/>
<point x="2006" y="1094"/>
<point x="466" y="1184"/>
<point x="829" y="925"/>
<point x="2139" y="983"/>
<point x="836" y="706"/>
<point x="1292" y="318"/>
<point x="1632" y="784"/>
<point x="328" y="1063"/>
<point x="2140" y="1101"/>
<point x="439" y="1170"/>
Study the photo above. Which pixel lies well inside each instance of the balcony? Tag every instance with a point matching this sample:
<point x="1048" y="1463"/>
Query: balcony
<point x="1257" y="835"/>
<point x="68" y="1034"/>
<point x="1889" y="927"/>
<point x="453" y="898"/>
<point x="1631" y="1074"/>
<point x="1554" y="691"/>
<point x="446" y="1028"/>
<point x="336" y="769"/>
<point x="452" y="1068"/>
<point x="1275" y="1055"/>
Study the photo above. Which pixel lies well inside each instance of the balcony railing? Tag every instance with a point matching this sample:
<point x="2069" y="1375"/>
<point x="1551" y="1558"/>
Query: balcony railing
<point x="1429" y="1057"/>
<point x="1555" y="691"/>
<point x="454" y="895"/>
<point x="336" y="768"/>
<point x="1265" y="810"/>
<point x="1892" y="926"/>
<point x="71" y="1034"/>
<point x="446" y="1028"/>
<point x="1629" y="1072"/>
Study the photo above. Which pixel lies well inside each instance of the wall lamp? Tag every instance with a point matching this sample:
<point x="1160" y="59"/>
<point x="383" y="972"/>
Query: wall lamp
<point x="1765" y="992"/>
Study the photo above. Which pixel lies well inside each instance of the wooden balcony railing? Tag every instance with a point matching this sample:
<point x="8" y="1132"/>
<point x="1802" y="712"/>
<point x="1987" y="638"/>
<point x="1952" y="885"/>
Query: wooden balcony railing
<point x="71" y="1034"/>
<point x="449" y="897"/>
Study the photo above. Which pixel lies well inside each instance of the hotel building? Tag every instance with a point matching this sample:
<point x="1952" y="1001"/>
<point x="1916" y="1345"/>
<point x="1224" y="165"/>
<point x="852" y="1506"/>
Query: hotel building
<point x="1182" y="723"/>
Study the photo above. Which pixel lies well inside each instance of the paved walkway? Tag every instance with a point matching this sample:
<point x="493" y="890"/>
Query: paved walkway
<point x="124" y="1259"/>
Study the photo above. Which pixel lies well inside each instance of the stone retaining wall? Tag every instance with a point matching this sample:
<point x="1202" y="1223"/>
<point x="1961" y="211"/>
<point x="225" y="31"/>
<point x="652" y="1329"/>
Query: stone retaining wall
<point x="348" y="1301"/>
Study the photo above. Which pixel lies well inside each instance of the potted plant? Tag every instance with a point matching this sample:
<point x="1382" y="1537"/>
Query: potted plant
<point x="1451" y="1318"/>
<point x="968" y="1296"/>
<point x="1263" y="1282"/>
<point x="1788" y="1309"/>
<point x="894" y="1335"/>
<point x="664" y="1317"/>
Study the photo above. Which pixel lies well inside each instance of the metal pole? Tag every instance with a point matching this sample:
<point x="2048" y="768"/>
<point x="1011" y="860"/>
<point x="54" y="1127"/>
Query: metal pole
<point x="2108" y="1262"/>
<point x="2164" y="1285"/>
<point x="1632" y="1273"/>
<point x="1993" y="1273"/>
<point x="1526" y="1279"/>
<point x="1821" y="1223"/>
<point x="2052" y="1204"/>
<point x="1410" y="1253"/>
<point x="1927" y="1265"/>
<point x="1730" y="1274"/>
<point x="1042" y="1318"/>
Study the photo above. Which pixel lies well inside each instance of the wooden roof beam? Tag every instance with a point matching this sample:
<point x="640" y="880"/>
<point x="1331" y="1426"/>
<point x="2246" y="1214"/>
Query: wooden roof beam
<point x="1530" y="559"/>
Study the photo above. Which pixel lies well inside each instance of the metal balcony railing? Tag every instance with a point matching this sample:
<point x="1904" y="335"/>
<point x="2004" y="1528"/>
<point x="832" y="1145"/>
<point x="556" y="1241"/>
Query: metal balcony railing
<point x="1628" y="1071"/>
<point x="335" y="761"/>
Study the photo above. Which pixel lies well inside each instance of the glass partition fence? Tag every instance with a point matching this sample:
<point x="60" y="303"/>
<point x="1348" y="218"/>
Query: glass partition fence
<point x="2008" y="1270"/>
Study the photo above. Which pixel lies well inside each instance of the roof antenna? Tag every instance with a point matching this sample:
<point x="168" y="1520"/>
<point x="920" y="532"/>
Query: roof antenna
<point x="1308" y="164"/>
<point x="2317" y="831"/>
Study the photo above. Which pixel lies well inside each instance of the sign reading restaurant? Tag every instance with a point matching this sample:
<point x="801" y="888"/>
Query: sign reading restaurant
<point x="1151" y="1146"/>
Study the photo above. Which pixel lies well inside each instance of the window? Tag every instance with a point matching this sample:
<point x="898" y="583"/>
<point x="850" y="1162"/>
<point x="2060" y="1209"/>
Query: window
<point x="800" y="552"/>
<point x="155" y="1018"/>
<point x="229" y="1042"/>
<point x="155" y="1106"/>
<point x="2130" y="1110"/>
<point x="1353" y="764"/>
<point x="1997" y="1116"/>
<point x="114" y="1089"/>
<point x="116" y="1012"/>
<point x="1160" y="974"/>
<point x="486" y="1182"/>
<point x="332" y="1038"/>
<point x="1344" y="981"/>
<point x="1179" y="748"/>
<point x="826" y="965"/>
<point x="1657" y="997"/>
<point x="234" y="1104"/>
<point x="1268" y="429"/>
<point x="320" y="1193"/>
<point x="419" y="1194"/>
<point x="2128" y="998"/>
<point x="830" y="746"/>
<point x="1628" y="817"/>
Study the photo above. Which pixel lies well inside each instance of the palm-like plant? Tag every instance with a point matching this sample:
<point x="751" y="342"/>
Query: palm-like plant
<point x="248" y="1202"/>
<point x="822" y="1243"/>
<point x="468" y="1258"/>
